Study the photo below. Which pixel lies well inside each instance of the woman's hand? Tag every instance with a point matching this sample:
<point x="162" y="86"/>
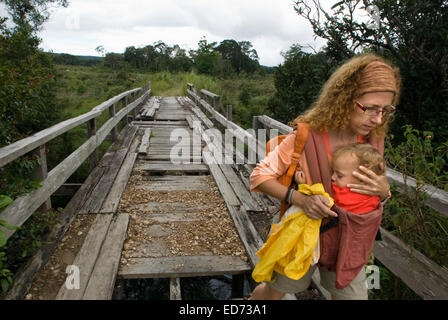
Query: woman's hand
<point x="372" y="184"/>
<point x="315" y="206"/>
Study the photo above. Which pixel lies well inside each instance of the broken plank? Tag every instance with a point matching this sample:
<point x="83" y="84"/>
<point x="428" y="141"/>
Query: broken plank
<point x="143" y="149"/>
<point x="87" y="256"/>
<point x="110" y="205"/>
<point x="183" y="266"/>
<point x="94" y="204"/>
<point x="240" y="189"/>
<point x="102" y="278"/>
<point x="224" y="188"/>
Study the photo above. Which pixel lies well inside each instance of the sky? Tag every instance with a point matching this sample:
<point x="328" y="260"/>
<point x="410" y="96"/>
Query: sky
<point x="272" y="26"/>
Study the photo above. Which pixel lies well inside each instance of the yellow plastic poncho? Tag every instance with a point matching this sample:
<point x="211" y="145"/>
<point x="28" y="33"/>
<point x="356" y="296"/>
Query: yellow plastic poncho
<point x="289" y="249"/>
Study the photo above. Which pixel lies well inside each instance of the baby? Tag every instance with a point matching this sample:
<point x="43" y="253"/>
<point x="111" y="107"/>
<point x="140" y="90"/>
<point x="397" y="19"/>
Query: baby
<point x="347" y="159"/>
<point x="293" y="244"/>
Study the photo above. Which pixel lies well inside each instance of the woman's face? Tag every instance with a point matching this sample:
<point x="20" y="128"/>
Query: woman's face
<point x="363" y="124"/>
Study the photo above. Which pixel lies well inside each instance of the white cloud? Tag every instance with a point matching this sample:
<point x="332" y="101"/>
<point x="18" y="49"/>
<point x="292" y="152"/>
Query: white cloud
<point x="271" y="26"/>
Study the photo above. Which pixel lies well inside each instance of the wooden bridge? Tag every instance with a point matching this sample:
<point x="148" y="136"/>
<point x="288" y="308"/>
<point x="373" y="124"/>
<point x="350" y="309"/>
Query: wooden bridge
<point x="169" y="199"/>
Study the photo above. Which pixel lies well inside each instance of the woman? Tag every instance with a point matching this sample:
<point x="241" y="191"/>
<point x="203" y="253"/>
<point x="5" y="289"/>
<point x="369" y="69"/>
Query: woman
<point x="355" y="105"/>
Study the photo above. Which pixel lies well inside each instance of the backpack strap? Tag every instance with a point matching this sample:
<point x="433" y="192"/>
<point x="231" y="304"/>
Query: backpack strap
<point x="299" y="145"/>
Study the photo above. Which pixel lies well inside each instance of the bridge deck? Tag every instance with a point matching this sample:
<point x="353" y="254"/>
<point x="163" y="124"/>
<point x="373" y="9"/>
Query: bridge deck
<point x="154" y="218"/>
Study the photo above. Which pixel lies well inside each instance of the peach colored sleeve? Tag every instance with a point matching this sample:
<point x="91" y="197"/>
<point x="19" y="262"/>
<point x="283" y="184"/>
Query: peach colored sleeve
<point x="274" y="164"/>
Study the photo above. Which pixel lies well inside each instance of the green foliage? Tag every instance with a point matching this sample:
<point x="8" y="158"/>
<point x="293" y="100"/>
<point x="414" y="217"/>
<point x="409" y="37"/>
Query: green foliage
<point x="68" y="59"/>
<point x="417" y="156"/>
<point x="26" y="79"/>
<point x="417" y="224"/>
<point x="298" y="81"/>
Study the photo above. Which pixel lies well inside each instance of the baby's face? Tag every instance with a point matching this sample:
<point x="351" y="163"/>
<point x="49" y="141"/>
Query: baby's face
<point x="343" y="167"/>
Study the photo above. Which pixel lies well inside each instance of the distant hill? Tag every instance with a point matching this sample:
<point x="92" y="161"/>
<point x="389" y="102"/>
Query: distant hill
<point x="73" y="60"/>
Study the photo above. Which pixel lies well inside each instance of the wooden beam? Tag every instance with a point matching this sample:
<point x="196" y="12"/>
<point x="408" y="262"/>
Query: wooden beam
<point x="112" y="200"/>
<point x="86" y="258"/>
<point x="143" y="149"/>
<point x="425" y="277"/>
<point x="183" y="266"/>
<point x="102" y="279"/>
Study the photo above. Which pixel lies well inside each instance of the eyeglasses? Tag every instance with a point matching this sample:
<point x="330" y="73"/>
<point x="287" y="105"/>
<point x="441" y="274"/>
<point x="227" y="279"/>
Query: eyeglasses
<point x="386" y="111"/>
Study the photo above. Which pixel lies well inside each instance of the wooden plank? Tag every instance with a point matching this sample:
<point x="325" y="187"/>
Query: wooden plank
<point x="112" y="200"/>
<point x="93" y="205"/>
<point x="174" y="217"/>
<point x="209" y="94"/>
<point x="143" y="149"/>
<point x="224" y="187"/>
<point x="241" y="192"/>
<point x="159" y="123"/>
<point x="423" y="276"/>
<point x="21" y="147"/>
<point x="87" y="256"/>
<point x="175" y="183"/>
<point x="274" y="124"/>
<point x="181" y="160"/>
<point x="183" y="266"/>
<point x="169" y="167"/>
<point x="102" y="279"/>
<point x="181" y="208"/>
<point x="175" y="293"/>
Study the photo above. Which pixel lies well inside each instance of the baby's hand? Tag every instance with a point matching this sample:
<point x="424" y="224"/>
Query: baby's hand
<point x="299" y="177"/>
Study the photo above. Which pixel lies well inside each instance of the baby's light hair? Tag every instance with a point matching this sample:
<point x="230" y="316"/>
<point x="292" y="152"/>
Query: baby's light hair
<point x="367" y="155"/>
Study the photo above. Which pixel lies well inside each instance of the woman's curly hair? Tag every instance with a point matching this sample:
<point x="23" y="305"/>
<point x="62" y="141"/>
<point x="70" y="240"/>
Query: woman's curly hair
<point x="334" y="105"/>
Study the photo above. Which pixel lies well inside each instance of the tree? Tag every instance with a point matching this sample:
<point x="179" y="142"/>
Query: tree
<point x="240" y="55"/>
<point x="298" y="81"/>
<point x="411" y="33"/>
<point x="31" y="14"/>
<point x="27" y="101"/>
<point x="101" y="51"/>
<point x="114" y="60"/>
<point x="205" y="56"/>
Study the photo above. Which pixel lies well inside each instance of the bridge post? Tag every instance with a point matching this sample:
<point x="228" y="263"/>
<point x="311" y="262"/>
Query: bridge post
<point x="255" y="125"/>
<point x="112" y="112"/>
<point x="41" y="173"/>
<point x="229" y="112"/>
<point x="125" y="103"/>
<point x="91" y="131"/>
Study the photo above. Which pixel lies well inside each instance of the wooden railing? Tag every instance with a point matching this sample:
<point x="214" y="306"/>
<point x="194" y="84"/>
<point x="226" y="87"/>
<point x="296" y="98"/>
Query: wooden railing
<point x="425" y="277"/>
<point x="23" y="207"/>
